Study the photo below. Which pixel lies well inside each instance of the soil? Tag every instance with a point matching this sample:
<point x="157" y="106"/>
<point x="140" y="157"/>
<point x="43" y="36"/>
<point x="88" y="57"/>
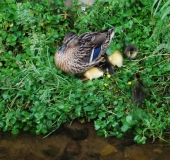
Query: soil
<point x="78" y="142"/>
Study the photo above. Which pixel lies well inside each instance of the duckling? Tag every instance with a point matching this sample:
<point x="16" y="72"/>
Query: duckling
<point x="130" y="51"/>
<point x="80" y="53"/>
<point x="104" y="67"/>
<point x="116" y="59"/>
<point x="92" y="73"/>
<point x="138" y="90"/>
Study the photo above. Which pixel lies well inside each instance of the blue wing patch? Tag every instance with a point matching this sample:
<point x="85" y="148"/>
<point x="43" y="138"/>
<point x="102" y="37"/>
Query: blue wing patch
<point x="95" y="53"/>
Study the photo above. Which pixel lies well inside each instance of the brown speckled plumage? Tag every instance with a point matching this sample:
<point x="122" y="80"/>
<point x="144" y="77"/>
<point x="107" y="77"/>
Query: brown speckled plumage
<point x="75" y="54"/>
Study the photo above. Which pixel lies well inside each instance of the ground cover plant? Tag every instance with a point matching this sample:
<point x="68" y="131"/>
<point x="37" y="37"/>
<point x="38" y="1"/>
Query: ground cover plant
<point x="36" y="97"/>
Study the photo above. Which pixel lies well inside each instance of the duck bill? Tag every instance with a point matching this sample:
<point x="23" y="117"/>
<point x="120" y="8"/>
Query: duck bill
<point x="62" y="49"/>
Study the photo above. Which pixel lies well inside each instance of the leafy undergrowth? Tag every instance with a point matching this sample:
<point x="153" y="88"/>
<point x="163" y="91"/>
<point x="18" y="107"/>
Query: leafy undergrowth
<point x="36" y="97"/>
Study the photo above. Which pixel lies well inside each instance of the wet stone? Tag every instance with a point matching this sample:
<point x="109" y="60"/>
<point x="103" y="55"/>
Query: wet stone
<point x="77" y="131"/>
<point x="71" y="150"/>
<point x="108" y="149"/>
<point x="115" y="156"/>
<point x="157" y="150"/>
<point x="52" y="151"/>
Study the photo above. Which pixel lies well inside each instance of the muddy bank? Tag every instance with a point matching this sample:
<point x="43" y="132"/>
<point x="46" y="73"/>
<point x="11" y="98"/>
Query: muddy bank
<point x="78" y="142"/>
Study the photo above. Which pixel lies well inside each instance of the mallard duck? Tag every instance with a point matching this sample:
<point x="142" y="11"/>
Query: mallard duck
<point x="116" y="59"/>
<point x="80" y="53"/>
<point x="130" y="51"/>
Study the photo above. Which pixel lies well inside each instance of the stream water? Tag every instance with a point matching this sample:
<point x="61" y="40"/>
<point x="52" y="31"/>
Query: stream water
<point x="60" y="146"/>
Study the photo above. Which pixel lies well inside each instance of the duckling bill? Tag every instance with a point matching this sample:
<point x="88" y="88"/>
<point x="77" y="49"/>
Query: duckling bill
<point x="80" y="53"/>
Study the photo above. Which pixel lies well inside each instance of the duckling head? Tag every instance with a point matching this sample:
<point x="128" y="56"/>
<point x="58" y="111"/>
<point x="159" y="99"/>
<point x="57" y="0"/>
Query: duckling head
<point x="130" y="51"/>
<point x="93" y="72"/>
<point x="116" y="59"/>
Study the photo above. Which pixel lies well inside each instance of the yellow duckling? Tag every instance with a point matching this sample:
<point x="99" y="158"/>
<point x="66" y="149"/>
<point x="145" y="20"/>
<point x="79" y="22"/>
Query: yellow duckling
<point x="116" y="59"/>
<point x="92" y="73"/>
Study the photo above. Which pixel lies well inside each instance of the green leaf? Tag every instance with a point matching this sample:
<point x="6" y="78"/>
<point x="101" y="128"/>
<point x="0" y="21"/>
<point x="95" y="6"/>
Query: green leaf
<point x="89" y="108"/>
<point x="119" y="135"/>
<point x="5" y="95"/>
<point x="119" y="114"/>
<point x="125" y="127"/>
<point x="61" y="106"/>
<point x="137" y="138"/>
<point x="143" y="140"/>
<point x="15" y="131"/>
<point x="12" y="120"/>
<point x="138" y="130"/>
<point x="1" y="124"/>
<point x="129" y="119"/>
<point x="10" y="1"/>
<point x="26" y="128"/>
<point x="44" y="131"/>
<point x="101" y="115"/>
<point x="97" y="126"/>
<point x="100" y="132"/>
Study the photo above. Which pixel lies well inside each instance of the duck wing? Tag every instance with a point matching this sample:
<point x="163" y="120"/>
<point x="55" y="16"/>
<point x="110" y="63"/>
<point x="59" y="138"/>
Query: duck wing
<point x="93" y="45"/>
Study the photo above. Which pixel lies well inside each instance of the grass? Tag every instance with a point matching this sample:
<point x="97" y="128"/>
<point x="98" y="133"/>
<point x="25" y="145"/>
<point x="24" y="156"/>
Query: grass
<point x="35" y="96"/>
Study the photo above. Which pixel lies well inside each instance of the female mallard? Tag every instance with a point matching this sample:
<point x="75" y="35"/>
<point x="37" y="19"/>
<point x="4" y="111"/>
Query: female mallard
<point x="80" y="53"/>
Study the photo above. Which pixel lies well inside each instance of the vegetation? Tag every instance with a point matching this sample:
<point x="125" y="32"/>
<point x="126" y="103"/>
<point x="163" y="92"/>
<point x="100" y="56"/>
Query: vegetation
<point x="36" y="97"/>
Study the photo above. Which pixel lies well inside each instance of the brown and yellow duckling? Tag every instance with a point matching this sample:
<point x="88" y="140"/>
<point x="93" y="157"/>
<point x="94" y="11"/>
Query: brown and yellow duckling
<point x="130" y="51"/>
<point x="138" y="90"/>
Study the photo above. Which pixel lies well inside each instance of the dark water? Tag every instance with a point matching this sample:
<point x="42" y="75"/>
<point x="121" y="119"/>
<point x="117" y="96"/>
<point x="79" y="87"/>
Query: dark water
<point x="60" y="146"/>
